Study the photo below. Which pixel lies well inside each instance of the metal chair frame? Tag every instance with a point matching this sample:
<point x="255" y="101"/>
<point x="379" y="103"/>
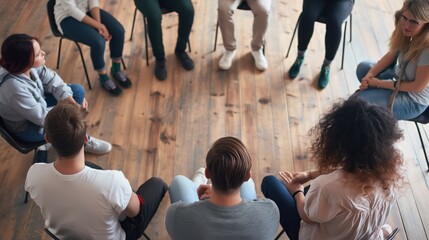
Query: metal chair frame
<point x="57" y="33"/>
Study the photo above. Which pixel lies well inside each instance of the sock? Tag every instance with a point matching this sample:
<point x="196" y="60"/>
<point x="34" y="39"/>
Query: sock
<point x="116" y="67"/>
<point x="326" y="63"/>
<point x="103" y="78"/>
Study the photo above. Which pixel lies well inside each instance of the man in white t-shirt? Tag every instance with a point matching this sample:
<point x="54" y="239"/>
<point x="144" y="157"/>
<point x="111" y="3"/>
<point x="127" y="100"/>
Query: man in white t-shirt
<point x="79" y="202"/>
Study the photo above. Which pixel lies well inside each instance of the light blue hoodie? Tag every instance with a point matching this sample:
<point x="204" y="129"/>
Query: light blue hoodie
<point x="22" y="99"/>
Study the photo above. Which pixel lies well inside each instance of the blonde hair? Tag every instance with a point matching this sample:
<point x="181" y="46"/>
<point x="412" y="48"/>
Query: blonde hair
<point x="403" y="44"/>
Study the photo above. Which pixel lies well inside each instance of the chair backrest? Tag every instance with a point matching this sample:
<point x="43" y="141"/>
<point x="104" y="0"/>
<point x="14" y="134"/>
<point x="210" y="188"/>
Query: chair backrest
<point x="50" y="7"/>
<point x="21" y="146"/>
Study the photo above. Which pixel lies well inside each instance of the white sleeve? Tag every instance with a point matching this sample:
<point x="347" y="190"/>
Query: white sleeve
<point x="120" y="194"/>
<point x="93" y="4"/>
<point x="70" y="9"/>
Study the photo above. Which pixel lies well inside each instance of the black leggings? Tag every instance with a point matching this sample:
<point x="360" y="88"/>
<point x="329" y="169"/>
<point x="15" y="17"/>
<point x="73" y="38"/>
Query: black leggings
<point x="335" y="12"/>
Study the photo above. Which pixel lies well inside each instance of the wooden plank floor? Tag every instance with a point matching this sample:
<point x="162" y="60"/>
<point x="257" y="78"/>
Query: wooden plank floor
<point x="165" y="128"/>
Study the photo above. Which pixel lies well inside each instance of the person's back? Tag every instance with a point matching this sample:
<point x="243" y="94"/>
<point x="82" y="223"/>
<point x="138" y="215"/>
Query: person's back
<point x="204" y="220"/>
<point x="79" y="202"/>
<point x="82" y="205"/>
<point x="346" y="209"/>
<point x="226" y="210"/>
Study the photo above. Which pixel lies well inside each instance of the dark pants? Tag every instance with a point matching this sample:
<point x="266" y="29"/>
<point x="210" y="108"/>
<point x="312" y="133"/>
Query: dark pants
<point x="335" y="12"/>
<point x="152" y="191"/>
<point x="83" y="33"/>
<point x="290" y="220"/>
<point x="151" y="9"/>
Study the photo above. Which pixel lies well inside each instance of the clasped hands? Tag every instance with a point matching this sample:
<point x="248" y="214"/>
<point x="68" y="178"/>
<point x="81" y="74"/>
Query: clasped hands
<point x="368" y="81"/>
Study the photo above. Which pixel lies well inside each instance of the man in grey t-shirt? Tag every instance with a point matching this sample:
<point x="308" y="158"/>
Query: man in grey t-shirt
<point x="228" y="208"/>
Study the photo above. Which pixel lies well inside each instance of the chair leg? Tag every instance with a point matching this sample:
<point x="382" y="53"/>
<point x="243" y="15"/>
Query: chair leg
<point x="84" y="65"/>
<point x="145" y="236"/>
<point x="279" y="235"/>
<point x="217" y="30"/>
<point x="344" y="44"/>
<point x="145" y="39"/>
<point x="293" y="36"/>
<point x="134" y="22"/>
<point x="423" y="146"/>
<point x="189" y="46"/>
<point x="123" y="64"/>
<point x="59" y="53"/>
<point x="34" y="161"/>
<point x="351" y="25"/>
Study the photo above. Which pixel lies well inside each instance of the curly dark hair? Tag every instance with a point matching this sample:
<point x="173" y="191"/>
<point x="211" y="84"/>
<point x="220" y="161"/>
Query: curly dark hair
<point x="359" y="138"/>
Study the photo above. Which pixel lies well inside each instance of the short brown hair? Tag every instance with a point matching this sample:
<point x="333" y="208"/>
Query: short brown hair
<point x="66" y="129"/>
<point x="228" y="163"/>
<point x="17" y="53"/>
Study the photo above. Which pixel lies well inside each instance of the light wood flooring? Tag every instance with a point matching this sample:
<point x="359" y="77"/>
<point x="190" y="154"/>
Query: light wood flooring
<point x="165" y="128"/>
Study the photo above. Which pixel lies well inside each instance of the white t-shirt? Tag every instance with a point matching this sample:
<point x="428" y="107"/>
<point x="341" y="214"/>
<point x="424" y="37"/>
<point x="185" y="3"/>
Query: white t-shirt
<point x="76" y="9"/>
<point x="85" y="205"/>
<point x="341" y="212"/>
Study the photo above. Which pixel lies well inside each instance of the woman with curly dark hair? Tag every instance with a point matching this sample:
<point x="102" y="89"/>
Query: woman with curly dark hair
<point x="354" y="186"/>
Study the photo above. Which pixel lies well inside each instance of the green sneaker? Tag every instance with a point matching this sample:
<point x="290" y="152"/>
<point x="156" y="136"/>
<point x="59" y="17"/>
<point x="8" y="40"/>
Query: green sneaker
<point x="324" y="77"/>
<point x="294" y="70"/>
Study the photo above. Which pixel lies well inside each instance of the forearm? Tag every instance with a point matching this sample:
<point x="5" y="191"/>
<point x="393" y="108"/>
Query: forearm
<point x="300" y="201"/>
<point x="91" y="22"/>
<point x="95" y="14"/>
<point x="382" y="64"/>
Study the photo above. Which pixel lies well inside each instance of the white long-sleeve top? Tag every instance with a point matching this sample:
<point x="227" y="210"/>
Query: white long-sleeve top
<point x="76" y="9"/>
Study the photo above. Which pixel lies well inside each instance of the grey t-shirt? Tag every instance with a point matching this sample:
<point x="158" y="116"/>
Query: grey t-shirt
<point x="410" y="75"/>
<point x="257" y="220"/>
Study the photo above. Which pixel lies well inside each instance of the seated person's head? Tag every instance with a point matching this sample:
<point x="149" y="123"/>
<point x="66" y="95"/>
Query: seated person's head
<point x="228" y="164"/>
<point x="66" y="129"/>
<point x="20" y="52"/>
<point x="359" y="138"/>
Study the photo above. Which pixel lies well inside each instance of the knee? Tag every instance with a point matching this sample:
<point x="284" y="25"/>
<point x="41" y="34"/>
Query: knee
<point x="154" y="18"/>
<point x="187" y="9"/>
<point x="159" y="182"/>
<point x="225" y="9"/>
<point x="333" y="24"/>
<point x="118" y="32"/>
<point x="177" y="180"/>
<point x="267" y="182"/>
<point x="362" y="69"/>
<point x="78" y="92"/>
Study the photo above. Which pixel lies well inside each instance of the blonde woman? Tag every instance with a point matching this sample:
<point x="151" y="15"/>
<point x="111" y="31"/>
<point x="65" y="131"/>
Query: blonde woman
<point x="409" y="46"/>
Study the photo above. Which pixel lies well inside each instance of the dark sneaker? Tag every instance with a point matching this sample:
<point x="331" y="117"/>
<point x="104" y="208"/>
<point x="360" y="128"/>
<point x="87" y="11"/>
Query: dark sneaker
<point x="296" y="67"/>
<point x="111" y="87"/>
<point x="160" y="69"/>
<point x="185" y="60"/>
<point x="324" y="77"/>
<point x="122" y="79"/>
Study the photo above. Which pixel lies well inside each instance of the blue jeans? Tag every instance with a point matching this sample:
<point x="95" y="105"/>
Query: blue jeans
<point x="290" y="220"/>
<point x="83" y="33"/>
<point x="404" y="106"/>
<point x="35" y="133"/>
<point x="185" y="190"/>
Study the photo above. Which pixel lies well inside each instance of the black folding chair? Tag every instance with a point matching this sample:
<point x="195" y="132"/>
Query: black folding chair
<point x="322" y="19"/>
<point x="422" y="119"/>
<point x="21" y="146"/>
<point x="57" y="33"/>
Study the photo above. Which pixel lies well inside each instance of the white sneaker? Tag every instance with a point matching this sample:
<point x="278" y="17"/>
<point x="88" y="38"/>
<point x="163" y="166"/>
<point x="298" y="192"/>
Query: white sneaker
<point x="97" y="146"/>
<point x="226" y="59"/>
<point x="200" y="177"/>
<point x="261" y="62"/>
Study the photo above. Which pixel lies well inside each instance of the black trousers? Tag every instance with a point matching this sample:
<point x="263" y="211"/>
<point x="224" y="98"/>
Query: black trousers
<point x="335" y="12"/>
